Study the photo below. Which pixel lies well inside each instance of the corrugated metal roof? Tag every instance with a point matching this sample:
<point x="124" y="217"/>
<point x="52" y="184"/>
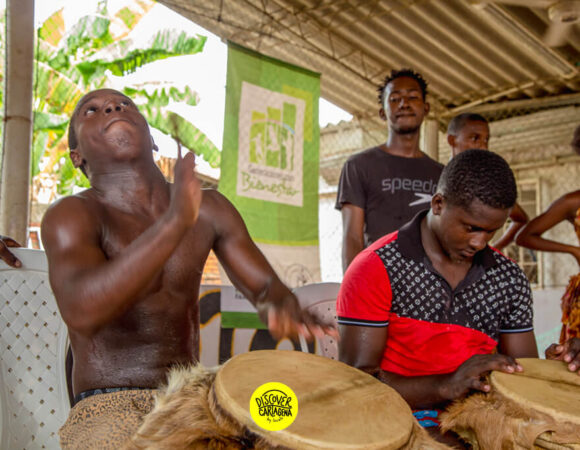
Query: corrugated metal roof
<point x="471" y="55"/>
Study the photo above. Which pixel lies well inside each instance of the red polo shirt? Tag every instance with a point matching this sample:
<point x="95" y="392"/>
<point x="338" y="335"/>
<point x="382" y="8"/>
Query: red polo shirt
<point x="432" y="328"/>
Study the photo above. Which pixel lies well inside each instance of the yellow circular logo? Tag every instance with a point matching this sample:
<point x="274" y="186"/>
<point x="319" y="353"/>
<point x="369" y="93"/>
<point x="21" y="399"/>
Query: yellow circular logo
<point x="273" y="406"/>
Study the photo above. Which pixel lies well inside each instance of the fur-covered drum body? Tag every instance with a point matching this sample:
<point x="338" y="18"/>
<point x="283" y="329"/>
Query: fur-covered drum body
<point x="538" y="408"/>
<point x="339" y="408"/>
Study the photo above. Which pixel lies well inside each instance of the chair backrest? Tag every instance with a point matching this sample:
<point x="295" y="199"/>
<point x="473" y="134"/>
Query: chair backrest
<point x="320" y="299"/>
<point x="34" y="399"/>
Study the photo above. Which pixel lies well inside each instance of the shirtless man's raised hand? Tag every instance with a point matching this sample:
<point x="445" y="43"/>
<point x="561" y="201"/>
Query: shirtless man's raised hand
<point x="126" y="256"/>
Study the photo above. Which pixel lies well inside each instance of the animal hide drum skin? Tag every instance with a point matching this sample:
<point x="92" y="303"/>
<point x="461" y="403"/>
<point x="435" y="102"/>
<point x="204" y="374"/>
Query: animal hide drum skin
<point x="187" y="416"/>
<point x="491" y="422"/>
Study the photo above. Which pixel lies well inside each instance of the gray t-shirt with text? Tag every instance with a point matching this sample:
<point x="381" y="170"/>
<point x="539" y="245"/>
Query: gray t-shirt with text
<point x="391" y="189"/>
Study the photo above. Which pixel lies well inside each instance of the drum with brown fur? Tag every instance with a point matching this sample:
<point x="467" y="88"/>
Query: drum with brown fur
<point x="339" y="408"/>
<point x="536" y="408"/>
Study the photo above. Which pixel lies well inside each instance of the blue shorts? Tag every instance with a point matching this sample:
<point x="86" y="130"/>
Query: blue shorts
<point x="427" y="418"/>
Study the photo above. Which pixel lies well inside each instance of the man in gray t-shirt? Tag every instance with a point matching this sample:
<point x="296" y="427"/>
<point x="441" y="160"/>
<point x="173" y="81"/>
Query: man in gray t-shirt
<point x="382" y="188"/>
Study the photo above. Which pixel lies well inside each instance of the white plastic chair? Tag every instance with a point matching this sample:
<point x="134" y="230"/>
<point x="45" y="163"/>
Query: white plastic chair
<point x="320" y="299"/>
<point x="34" y="399"/>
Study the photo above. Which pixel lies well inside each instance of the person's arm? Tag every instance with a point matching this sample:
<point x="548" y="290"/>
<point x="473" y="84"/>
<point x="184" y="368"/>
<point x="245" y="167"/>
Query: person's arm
<point x="251" y="273"/>
<point x="362" y="347"/>
<point x="518" y="345"/>
<point x="351" y="199"/>
<point x="519" y="218"/>
<point x="6" y="255"/>
<point x="562" y="209"/>
<point x="353" y="218"/>
<point x="568" y="352"/>
<point x="93" y="290"/>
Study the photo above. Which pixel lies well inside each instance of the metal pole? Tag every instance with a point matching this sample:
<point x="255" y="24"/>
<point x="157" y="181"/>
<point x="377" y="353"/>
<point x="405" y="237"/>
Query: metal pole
<point x="15" y="181"/>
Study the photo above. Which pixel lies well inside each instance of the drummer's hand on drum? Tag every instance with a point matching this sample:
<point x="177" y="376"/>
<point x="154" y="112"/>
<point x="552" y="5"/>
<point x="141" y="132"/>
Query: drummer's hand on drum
<point x="568" y="352"/>
<point x="287" y="319"/>
<point x="5" y="254"/>
<point x="472" y="374"/>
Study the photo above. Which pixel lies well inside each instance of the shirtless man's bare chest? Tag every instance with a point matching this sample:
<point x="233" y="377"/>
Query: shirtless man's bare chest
<point x="161" y="328"/>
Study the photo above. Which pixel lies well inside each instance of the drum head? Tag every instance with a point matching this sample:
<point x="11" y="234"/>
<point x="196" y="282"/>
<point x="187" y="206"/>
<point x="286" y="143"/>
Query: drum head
<point x="544" y="386"/>
<point x="339" y="407"/>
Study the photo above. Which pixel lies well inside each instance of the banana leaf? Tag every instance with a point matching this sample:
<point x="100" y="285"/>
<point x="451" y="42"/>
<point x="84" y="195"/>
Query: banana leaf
<point x="40" y="139"/>
<point x="46" y="121"/>
<point x="69" y="176"/>
<point x="187" y="134"/>
<point x="124" y="61"/>
<point x="157" y="99"/>
<point x="90" y="33"/>
<point x="52" y="30"/>
<point x="55" y="91"/>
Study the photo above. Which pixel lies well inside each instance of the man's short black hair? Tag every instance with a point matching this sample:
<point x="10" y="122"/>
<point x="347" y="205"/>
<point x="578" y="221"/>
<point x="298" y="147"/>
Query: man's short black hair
<point x="478" y="174"/>
<point x="459" y="121"/>
<point x="72" y="136"/>
<point x="408" y="73"/>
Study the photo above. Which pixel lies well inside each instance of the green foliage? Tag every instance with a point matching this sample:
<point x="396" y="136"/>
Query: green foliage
<point x="153" y="106"/>
<point x="70" y="64"/>
<point x="160" y="98"/>
<point x="39" y="143"/>
<point x="165" y="45"/>
<point x="128" y="17"/>
<point x="69" y="176"/>
<point x="187" y="134"/>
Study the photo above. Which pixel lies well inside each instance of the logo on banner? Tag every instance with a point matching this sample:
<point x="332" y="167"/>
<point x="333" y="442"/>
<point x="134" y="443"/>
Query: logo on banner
<point x="270" y="146"/>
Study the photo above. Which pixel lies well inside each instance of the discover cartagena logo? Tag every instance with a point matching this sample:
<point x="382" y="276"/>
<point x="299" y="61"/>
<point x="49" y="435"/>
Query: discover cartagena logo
<point x="273" y="406"/>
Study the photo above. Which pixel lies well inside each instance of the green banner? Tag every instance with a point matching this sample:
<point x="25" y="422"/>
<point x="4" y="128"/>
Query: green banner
<point x="269" y="168"/>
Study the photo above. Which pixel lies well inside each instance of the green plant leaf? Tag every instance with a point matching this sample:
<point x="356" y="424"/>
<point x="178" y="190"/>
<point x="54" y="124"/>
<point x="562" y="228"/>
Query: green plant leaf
<point x="89" y="33"/>
<point x="39" y="142"/>
<point x="187" y="134"/>
<point x="69" y="176"/>
<point x="46" y="121"/>
<point x="52" y="29"/>
<point x="55" y="91"/>
<point x="160" y="98"/>
<point x="165" y="45"/>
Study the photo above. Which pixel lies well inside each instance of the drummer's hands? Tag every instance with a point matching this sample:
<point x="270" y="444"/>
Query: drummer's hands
<point x="287" y="319"/>
<point x="5" y="254"/>
<point x="568" y="352"/>
<point x="186" y="195"/>
<point x="472" y="374"/>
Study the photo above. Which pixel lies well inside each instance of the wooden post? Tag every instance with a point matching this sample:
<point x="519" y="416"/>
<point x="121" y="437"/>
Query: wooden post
<point x="431" y="138"/>
<point x="16" y="145"/>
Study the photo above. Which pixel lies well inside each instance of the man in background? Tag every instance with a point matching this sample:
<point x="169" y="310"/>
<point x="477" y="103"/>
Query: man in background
<point x="383" y="187"/>
<point x="471" y="130"/>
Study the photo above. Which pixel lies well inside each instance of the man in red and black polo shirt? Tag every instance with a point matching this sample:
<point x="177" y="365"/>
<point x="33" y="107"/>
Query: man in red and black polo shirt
<point x="426" y="307"/>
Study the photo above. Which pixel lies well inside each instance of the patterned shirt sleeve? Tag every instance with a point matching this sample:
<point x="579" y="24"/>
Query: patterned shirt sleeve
<point x="520" y="313"/>
<point x="350" y="186"/>
<point x="365" y="293"/>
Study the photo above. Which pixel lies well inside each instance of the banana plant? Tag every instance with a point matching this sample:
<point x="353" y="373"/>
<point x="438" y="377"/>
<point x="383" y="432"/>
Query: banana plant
<point x="70" y="64"/>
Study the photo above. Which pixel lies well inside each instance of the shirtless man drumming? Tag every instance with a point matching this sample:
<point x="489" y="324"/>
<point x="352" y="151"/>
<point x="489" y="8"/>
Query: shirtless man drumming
<point x="125" y="263"/>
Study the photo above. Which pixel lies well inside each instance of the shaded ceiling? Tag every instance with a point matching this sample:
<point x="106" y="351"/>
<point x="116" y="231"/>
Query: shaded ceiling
<point x="485" y="57"/>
